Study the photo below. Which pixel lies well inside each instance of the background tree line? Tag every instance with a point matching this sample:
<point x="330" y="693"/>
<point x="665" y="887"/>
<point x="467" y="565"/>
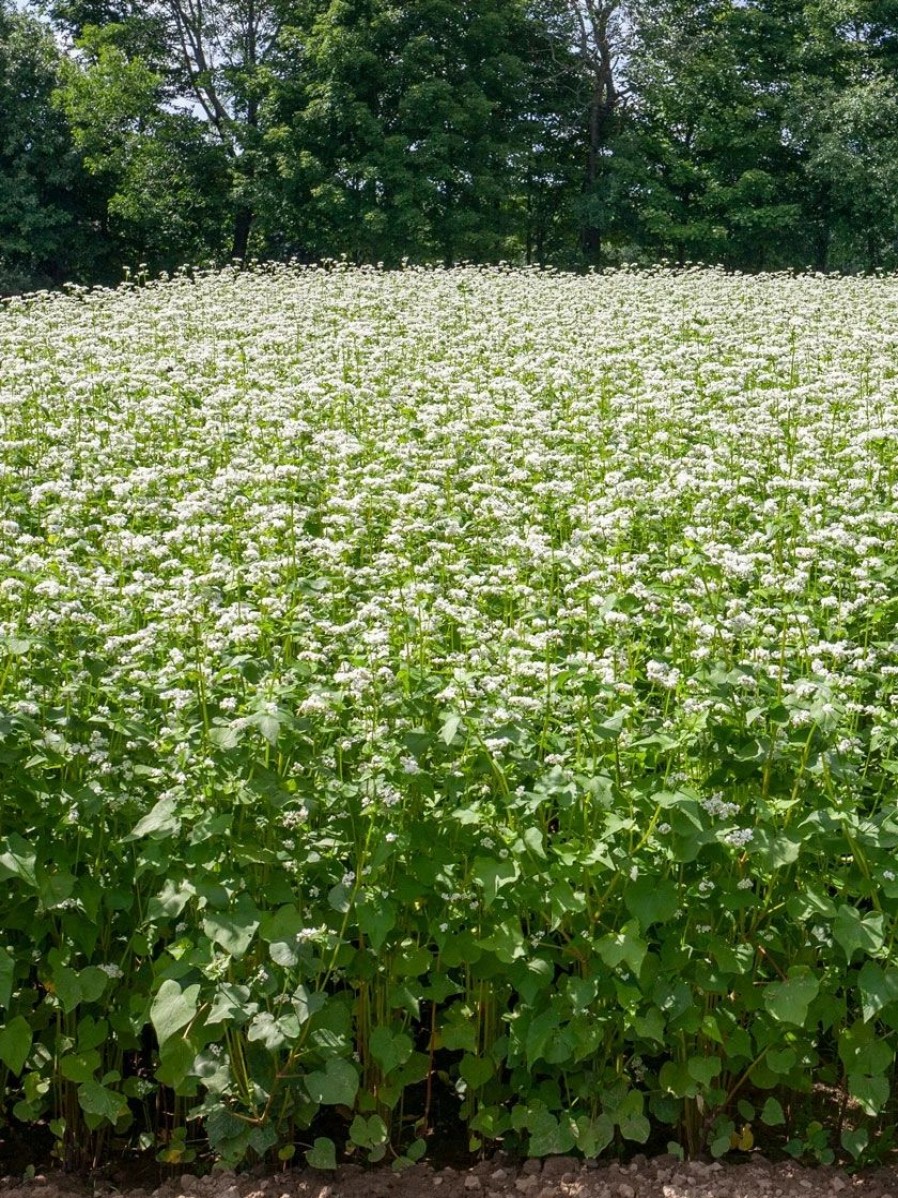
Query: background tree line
<point x="753" y="133"/>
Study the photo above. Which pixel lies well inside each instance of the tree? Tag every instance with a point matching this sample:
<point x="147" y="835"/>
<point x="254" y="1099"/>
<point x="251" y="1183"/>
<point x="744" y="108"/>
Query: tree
<point x="211" y="56"/>
<point x="844" y="108"/>
<point x="163" y="182"/>
<point x="712" y="80"/>
<point x="405" y="133"/>
<point x="43" y="227"/>
<point x="598" y="32"/>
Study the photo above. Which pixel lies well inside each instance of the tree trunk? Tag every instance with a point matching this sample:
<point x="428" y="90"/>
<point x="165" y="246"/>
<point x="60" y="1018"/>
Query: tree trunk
<point x="243" y="223"/>
<point x="594" y="18"/>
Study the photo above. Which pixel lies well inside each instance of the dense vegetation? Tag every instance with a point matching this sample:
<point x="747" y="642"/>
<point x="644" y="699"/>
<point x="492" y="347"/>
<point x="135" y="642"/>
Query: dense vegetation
<point x="451" y="691"/>
<point x="760" y="135"/>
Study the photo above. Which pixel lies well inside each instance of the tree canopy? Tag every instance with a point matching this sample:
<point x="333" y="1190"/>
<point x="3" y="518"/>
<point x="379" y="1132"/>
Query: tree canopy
<point x="760" y="134"/>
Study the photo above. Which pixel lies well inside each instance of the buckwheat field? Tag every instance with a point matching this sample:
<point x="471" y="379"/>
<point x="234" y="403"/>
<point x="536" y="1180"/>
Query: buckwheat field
<point x="450" y="703"/>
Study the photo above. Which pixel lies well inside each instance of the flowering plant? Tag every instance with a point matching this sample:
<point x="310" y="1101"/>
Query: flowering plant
<point x="460" y="686"/>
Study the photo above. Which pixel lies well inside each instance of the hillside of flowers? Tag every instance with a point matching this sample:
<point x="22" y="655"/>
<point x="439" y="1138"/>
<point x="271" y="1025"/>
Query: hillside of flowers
<point x="449" y="699"/>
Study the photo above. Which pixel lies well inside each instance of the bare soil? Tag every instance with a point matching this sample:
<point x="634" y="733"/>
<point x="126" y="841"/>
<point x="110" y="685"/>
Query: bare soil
<point x="556" y="1177"/>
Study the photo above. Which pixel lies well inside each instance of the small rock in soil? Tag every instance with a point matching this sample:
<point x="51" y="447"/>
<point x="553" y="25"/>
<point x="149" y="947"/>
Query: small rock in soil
<point x="557" y="1166"/>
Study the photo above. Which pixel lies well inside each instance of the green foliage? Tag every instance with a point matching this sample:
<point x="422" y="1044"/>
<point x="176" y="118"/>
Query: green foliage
<point x="43" y="230"/>
<point x="394" y="698"/>
<point x="757" y="135"/>
<point x="402" y="135"/>
<point x="163" y="184"/>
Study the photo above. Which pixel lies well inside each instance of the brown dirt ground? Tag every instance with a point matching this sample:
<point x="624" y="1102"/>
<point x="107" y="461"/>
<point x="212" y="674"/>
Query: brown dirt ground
<point x="556" y="1177"/>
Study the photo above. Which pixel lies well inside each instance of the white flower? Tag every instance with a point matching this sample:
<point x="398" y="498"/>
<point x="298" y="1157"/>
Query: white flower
<point x="664" y="675"/>
<point x="739" y="837"/>
<point x="717" y="805"/>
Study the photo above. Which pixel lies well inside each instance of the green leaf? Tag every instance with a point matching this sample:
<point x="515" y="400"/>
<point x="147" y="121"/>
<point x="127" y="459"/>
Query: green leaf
<point x="460" y="1035"/>
<point x="225" y="1131"/>
<point x="92" y="1033"/>
<point x="674" y="1078"/>
<point x="651" y="900"/>
<point x="67" y="988"/>
<point x="54" y="888"/>
<point x="623" y="946"/>
<point x="541" y="1029"/>
<point x="863" y="1051"/>
<point x="80" y="1067"/>
<point x="7" y="973"/>
<point x="92" y="981"/>
<point x="15" y="1043"/>
<point x="871" y="1092"/>
<point x="96" y="1099"/>
<point x="781" y="1060"/>
<point x="272" y="1032"/>
<point x="226" y="736"/>
<point x="772" y="1114"/>
<point x="284" y="953"/>
<point x="774" y="850"/>
<point x="493" y="875"/>
<point x="322" y="1154"/>
<point x="368" y="1133"/>
<point x="451" y="725"/>
<point x="704" y="1069"/>
<point x="476" y="1071"/>
<point x="650" y="1026"/>
<point x="231" y="1004"/>
<point x="377" y="918"/>
<point x="160" y="822"/>
<point x="788" y="1001"/>
<point x="17" y="646"/>
<point x="170" y="901"/>
<point x="721" y="1145"/>
<point x="549" y="1135"/>
<point x="635" y="1127"/>
<point x="281" y="925"/>
<point x="306" y="1003"/>
<point x="809" y="903"/>
<point x="17" y="860"/>
<point x="416" y="1149"/>
<point x="390" y="1049"/>
<point x="629" y="1117"/>
<point x="855" y="1140"/>
<point x="336" y="1085"/>
<point x="878" y="988"/>
<point x="176" y="1059"/>
<point x="533" y="839"/>
<point x="593" y="1135"/>
<point x="857" y="933"/>
<point x="172" y="1009"/>
<point x="340" y="898"/>
<point x="234" y="932"/>
<point x="269" y="725"/>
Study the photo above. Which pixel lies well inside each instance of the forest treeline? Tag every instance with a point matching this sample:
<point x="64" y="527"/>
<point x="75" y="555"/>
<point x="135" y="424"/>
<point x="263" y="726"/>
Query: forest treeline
<point x="759" y="134"/>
